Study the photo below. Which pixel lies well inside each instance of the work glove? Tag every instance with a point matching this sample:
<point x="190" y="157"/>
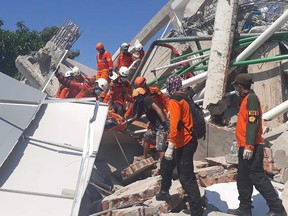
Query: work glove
<point x="169" y="151"/>
<point x="247" y="154"/>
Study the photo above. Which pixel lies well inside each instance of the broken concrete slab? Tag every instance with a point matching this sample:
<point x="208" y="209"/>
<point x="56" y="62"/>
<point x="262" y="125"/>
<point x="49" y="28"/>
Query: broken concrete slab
<point x="219" y="161"/>
<point x="281" y="143"/>
<point x="135" y="192"/>
<point x="231" y="159"/>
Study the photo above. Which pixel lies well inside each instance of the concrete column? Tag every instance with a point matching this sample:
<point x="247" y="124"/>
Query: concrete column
<point x="224" y="27"/>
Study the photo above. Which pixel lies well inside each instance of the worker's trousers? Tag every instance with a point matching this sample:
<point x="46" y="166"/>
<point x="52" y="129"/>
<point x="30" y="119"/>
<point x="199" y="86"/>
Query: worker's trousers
<point x="185" y="167"/>
<point x="251" y="172"/>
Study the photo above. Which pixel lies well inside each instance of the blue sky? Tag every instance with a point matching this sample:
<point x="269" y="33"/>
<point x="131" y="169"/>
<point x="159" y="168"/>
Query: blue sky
<point x="111" y="22"/>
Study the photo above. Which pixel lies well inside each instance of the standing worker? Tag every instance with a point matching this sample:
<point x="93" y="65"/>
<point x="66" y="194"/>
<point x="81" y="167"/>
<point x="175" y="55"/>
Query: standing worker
<point x="183" y="142"/>
<point x="125" y="58"/>
<point x="120" y="92"/>
<point x="251" y="152"/>
<point x="104" y="62"/>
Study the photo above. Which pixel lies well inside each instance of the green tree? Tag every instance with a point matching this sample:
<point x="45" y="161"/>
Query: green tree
<point x="22" y="42"/>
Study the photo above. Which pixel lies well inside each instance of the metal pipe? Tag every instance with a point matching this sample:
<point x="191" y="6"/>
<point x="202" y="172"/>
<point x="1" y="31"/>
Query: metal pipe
<point x="276" y="111"/>
<point x="263" y="37"/>
<point x="193" y="80"/>
<point x="189" y="54"/>
<point x="57" y="67"/>
<point x="180" y="62"/>
<point x="165" y="40"/>
<point x="154" y="50"/>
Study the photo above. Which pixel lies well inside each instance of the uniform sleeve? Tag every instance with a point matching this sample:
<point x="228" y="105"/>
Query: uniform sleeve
<point x="107" y="97"/>
<point x="109" y="60"/>
<point x="119" y="60"/>
<point x="165" y="99"/>
<point x="175" y="116"/>
<point x="253" y="123"/>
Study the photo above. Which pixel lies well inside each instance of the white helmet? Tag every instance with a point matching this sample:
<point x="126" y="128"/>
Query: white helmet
<point x="124" y="71"/>
<point x="76" y="70"/>
<point x="139" y="47"/>
<point x="114" y="76"/>
<point x="124" y="46"/>
<point x="102" y="83"/>
<point x="69" y="74"/>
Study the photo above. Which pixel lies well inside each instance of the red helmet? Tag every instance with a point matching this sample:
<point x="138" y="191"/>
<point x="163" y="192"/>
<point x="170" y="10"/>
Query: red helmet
<point x="99" y="46"/>
<point x="188" y="75"/>
<point x="139" y="82"/>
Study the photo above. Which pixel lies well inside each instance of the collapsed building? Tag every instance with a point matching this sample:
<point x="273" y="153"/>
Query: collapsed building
<point x="90" y="170"/>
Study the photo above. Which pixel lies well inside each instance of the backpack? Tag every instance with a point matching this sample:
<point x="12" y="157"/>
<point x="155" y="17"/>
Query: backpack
<point x="199" y="125"/>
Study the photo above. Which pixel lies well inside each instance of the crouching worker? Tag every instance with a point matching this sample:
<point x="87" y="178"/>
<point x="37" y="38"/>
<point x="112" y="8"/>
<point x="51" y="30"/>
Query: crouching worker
<point x="88" y="88"/>
<point x="158" y="122"/>
<point x="183" y="144"/>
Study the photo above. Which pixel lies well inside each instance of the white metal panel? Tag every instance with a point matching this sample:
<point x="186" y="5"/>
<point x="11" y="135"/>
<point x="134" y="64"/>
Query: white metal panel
<point x="15" y="117"/>
<point x="38" y="167"/>
<point x="17" y="204"/>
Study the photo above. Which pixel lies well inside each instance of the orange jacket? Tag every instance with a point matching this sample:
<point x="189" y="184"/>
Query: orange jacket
<point x="124" y="59"/>
<point x="84" y="89"/>
<point x="59" y="90"/>
<point x="249" y="122"/>
<point x="69" y="93"/>
<point x="180" y="110"/>
<point x="119" y="92"/>
<point x="158" y="96"/>
<point x="104" y="61"/>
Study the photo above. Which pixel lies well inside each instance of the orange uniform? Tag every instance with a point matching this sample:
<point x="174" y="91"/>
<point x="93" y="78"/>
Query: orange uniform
<point x="180" y="110"/>
<point x="104" y="65"/>
<point x="59" y="90"/>
<point x="158" y="96"/>
<point x="249" y="123"/>
<point x="119" y="92"/>
<point x="124" y="59"/>
<point x="84" y="89"/>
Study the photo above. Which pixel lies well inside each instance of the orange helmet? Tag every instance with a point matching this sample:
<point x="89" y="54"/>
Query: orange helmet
<point x="99" y="46"/>
<point x="139" y="82"/>
<point x="138" y="91"/>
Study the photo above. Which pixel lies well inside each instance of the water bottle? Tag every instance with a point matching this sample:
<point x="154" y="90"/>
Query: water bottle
<point x="234" y="148"/>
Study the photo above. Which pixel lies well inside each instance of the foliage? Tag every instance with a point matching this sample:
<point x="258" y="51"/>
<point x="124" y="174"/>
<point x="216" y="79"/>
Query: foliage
<point x="22" y="42"/>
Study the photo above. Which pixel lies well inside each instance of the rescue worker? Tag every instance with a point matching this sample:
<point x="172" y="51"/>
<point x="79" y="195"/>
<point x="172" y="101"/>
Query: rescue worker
<point x="153" y="92"/>
<point x="64" y="92"/>
<point x="158" y="122"/>
<point x="251" y="152"/>
<point x="139" y="52"/>
<point x="61" y="87"/>
<point x="125" y="57"/>
<point x="86" y="88"/>
<point x="104" y="62"/>
<point x="101" y="86"/>
<point x="120" y="92"/>
<point x="183" y="143"/>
